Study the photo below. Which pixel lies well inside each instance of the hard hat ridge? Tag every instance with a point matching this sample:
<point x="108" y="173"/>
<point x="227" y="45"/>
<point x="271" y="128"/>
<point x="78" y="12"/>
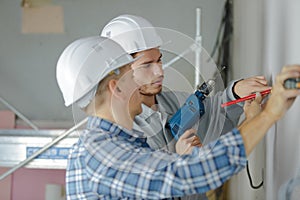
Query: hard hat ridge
<point x="133" y="33"/>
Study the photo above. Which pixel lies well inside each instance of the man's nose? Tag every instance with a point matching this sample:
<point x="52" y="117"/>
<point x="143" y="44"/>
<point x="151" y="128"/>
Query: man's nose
<point x="157" y="69"/>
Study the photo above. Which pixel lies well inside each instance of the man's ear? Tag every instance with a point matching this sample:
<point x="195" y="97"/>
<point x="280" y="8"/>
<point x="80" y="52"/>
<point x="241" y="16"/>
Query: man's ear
<point x="113" y="88"/>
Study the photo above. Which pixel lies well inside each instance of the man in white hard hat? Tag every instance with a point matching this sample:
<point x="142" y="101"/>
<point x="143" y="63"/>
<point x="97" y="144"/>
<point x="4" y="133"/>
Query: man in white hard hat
<point x="138" y="37"/>
<point x="111" y="160"/>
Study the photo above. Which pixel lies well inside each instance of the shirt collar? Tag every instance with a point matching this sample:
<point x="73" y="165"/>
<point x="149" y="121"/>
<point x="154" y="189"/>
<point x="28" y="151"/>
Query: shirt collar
<point x="114" y="129"/>
<point x="147" y="111"/>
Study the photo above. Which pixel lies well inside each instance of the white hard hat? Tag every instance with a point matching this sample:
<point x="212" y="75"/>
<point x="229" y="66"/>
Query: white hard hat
<point x="133" y="33"/>
<point x="84" y="63"/>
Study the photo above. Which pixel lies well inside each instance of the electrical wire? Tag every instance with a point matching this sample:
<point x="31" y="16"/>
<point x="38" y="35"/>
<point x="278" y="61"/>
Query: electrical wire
<point x="248" y="170"/>
<point x="217" y="42"/>
<point x="223" y="40"/>
<point x="250" y="180"/>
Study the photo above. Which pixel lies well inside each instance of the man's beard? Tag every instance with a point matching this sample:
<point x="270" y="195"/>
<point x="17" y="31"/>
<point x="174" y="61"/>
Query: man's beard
<point x="147" y="91"/>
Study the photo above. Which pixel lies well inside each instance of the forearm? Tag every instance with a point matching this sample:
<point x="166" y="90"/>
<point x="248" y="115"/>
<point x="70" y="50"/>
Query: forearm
<point x="254" y="130"/>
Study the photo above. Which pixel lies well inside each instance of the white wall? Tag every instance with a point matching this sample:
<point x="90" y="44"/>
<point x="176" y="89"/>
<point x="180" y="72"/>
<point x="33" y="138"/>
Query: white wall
<point x="27" y="61"/>
<point x="282" y="48"/>
<point x="247" y="61"/>
<point x="266" y="38"/>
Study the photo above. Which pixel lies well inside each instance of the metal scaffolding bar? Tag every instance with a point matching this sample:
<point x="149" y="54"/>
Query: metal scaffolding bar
<point x="25" y="119"/>
<point x="46" y="147"/>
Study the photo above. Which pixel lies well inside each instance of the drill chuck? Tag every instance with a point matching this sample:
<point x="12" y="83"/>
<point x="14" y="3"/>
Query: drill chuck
<point x="206" y="87"/>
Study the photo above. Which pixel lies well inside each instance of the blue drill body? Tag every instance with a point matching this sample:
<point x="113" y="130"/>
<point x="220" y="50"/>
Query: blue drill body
<point x="191" y="111"/>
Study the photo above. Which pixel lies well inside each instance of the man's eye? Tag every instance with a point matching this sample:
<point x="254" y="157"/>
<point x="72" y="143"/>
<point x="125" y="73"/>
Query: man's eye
<point x="147" y="65"/>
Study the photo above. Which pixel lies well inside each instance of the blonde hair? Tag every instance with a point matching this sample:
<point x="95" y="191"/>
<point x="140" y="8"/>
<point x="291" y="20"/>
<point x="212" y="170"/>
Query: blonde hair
<point x="103" y="86"/>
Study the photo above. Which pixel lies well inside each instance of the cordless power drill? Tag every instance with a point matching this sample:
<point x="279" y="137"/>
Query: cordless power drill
<point x="191" y="111"/>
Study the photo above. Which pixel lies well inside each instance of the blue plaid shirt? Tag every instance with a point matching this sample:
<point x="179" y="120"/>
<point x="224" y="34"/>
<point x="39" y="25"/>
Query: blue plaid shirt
<point x="110" y="162"/>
